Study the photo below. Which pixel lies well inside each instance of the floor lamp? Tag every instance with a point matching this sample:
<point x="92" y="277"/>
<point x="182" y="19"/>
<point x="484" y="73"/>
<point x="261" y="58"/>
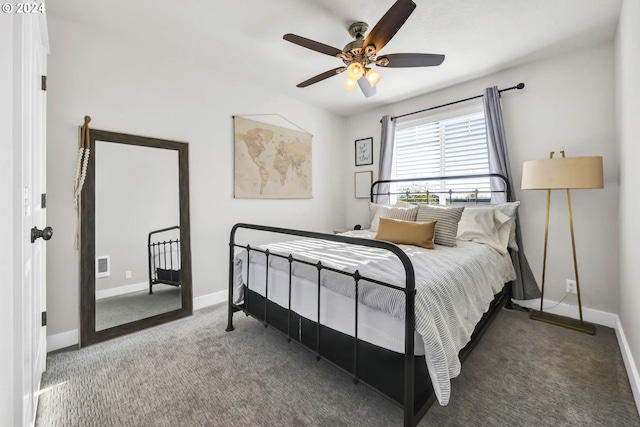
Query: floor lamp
<point x="562" y="173"/>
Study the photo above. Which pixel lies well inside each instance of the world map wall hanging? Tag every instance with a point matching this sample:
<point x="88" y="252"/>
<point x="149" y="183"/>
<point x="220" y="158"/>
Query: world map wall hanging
<point x="271" y="162"/>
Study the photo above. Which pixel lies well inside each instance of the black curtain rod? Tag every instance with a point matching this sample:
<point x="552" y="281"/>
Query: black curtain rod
<point x="518" y="86"/>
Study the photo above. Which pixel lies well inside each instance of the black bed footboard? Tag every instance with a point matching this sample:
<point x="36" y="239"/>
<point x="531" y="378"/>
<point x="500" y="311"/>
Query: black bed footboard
<point x="262" y="309"/>
<point x="164" y="257"/>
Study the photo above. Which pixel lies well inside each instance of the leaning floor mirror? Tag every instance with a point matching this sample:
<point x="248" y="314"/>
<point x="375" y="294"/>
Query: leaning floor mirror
<point x="135" y="256"/>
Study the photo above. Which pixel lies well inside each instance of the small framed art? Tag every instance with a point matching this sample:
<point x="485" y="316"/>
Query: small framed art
<point x="364" y="151"/>
<point x="362" y="184"/>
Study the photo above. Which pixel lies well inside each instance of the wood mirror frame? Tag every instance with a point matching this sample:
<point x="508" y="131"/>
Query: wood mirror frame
<point x="88" y="333"/>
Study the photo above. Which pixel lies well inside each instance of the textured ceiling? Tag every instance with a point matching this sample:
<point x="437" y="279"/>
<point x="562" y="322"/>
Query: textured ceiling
<point x="243" y="38"/>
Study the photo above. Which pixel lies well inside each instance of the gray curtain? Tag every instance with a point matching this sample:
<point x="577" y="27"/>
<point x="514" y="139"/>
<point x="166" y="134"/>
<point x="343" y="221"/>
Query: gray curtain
<point x="525" y="286"/>
<point x="387" y="141"/>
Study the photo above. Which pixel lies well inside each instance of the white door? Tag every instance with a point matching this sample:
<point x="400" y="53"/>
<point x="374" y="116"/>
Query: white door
<point x="30" y="126"/>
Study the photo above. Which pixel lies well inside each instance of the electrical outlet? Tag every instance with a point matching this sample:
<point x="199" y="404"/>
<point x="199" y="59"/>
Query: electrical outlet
<point x="571" y="287"/>
<point x="127" y="275"/>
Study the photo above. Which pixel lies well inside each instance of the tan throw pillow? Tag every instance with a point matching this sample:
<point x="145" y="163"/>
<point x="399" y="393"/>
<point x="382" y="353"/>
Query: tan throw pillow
<point x="407" y="232"/>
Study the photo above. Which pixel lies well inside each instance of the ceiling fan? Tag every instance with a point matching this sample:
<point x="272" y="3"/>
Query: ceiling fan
<point x="359" y="55"/>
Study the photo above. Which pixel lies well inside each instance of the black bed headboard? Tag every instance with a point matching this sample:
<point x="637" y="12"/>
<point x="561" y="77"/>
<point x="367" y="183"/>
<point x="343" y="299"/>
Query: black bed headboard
<point x="432" y="189"/>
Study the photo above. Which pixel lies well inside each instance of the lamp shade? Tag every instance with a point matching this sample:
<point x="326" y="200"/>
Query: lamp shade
<point x="355" y="70"/>
<point x="563" y="172"/>
<point x="350" y="84"/>
<point x="373" y="77"/>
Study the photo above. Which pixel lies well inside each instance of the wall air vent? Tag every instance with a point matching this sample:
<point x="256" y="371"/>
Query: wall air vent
<point x="103" y="266"/>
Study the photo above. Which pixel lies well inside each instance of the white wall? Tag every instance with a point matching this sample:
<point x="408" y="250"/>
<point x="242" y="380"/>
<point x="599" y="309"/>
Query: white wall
<point x="141" y="90"/>
<point x="567" y="104"/>
<point x="9" y="280"/>
<point x="628" y="112"/>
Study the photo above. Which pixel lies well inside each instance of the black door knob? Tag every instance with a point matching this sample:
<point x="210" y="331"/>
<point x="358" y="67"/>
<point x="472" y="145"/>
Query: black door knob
<point x="45" y="234"/>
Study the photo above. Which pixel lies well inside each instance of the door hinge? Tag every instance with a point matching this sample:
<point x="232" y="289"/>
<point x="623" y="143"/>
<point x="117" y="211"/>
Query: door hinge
<point x="43" y="84"/>
<point x="44" y="318"/>
<point x="43" y="200"/>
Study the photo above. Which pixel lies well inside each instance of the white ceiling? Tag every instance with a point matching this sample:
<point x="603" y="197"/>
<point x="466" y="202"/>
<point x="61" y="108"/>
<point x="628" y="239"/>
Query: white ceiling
<point x="244" y="38"/>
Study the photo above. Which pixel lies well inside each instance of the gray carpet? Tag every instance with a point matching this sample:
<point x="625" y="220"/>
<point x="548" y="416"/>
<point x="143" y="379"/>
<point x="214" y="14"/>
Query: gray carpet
<point x="121" y="309"/>
<point x="192" y="373"/>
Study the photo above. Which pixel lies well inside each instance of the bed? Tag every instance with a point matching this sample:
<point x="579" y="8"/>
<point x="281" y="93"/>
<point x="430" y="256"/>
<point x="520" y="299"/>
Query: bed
<point x="163" y="248"/>
<point x="398" y="318"/>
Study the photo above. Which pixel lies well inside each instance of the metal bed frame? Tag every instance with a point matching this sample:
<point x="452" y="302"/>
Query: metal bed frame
<point x="402" y="378"/>
<point x="162" y="270"/>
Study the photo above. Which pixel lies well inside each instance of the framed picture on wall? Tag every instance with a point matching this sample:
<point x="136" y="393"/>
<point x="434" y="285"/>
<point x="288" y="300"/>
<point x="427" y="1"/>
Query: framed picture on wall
<point x="364" y="151"/>
<point x="362" y="184"/>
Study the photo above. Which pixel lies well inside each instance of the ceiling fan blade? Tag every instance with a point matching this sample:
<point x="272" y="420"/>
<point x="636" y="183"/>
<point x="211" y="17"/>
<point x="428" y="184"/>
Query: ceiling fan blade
<point x="412" y="60"/>
<point x="321" y="77"/>
<point x="313" y="45"/>
<point x="389" y="24"/>
<point x="366" y="88"/>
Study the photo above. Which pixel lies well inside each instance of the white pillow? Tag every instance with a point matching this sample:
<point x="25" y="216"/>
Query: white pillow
<point x="393" y="212"/>
<point x="401" y="204"/>
<point x="511" y="210"/>
<point x="373" y="209"/>
<point x="487" y="226"/>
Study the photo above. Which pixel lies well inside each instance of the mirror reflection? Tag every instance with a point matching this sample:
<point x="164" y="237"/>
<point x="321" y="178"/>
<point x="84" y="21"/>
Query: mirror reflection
<point x="137" y="233"/>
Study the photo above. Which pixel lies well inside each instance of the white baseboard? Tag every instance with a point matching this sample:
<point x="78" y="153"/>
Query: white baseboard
<point x="629" y="363"/>
<point x="210" y="299"/>
<point x="62" y="340"/>
<point x="563" y="309"/>
<point x="120" y="290"/>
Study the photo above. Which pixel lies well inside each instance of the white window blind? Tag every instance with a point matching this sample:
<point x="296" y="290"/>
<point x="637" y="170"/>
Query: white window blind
<point x="446" y="147"/>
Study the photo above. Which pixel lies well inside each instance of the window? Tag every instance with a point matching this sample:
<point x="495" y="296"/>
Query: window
<point x="449" y="144"/>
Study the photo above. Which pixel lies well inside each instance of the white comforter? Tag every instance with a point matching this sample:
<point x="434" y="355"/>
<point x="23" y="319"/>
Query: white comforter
<point x="454" y="287"/>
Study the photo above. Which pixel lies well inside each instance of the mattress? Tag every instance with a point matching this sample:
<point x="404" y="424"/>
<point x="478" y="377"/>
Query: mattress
<point x="454" y="288"/>
<point x="337" y="311"/>
<point x="166" y="255"/>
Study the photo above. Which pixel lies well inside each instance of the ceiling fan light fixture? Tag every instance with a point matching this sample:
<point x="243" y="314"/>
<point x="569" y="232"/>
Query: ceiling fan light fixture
<point x="355" y="70"/>
<point x="350" y="83"/>
<point x="372" y="76"/>
<point x="361" y="53"/>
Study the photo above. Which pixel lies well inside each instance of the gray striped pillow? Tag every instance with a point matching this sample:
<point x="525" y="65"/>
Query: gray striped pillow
<point x="401" y="213"/>
<point x="447" y="225"/>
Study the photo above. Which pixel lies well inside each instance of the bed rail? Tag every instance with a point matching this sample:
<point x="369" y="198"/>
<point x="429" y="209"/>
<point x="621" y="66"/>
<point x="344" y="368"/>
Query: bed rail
<point x="164" y="259"/>
<point x="430" y="189"/>
<point x="408" y="290"/>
